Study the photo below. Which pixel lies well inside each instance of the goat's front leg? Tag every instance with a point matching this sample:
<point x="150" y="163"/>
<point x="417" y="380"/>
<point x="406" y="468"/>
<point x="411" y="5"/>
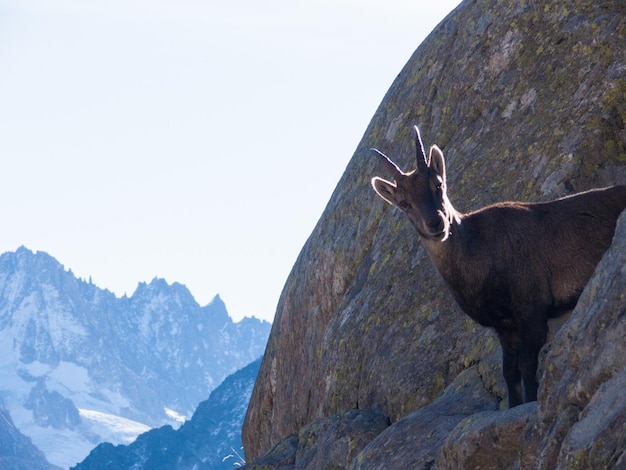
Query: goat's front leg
<point x="510" y="367"/>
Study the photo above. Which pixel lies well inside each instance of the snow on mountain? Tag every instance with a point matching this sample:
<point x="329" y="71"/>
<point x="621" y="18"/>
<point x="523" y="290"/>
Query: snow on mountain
<point x="210" y="440"/>
<point x="79" y="365"/>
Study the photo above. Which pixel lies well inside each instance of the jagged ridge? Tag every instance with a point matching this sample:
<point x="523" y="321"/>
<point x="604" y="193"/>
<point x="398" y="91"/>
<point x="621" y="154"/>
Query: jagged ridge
<point x="66" y="341"/>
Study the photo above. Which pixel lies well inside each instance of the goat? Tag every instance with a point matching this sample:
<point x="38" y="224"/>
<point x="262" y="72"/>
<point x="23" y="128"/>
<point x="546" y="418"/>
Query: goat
<point x="510" y="266"/>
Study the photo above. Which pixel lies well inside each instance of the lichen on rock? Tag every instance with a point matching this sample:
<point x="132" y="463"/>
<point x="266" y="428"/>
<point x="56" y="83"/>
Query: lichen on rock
<point x="528" y="102"/>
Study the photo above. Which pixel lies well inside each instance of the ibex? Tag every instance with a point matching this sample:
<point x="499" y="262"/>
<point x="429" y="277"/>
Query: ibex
<point x="510" y="266"/>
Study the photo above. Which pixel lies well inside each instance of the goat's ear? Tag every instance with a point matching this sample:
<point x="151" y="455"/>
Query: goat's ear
<point x="385" y="189"/>
<point x="436" y="162"/>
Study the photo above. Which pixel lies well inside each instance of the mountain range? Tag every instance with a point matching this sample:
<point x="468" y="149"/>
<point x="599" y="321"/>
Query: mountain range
<point x="80" y="366"/>
<point x="210" y="440"/>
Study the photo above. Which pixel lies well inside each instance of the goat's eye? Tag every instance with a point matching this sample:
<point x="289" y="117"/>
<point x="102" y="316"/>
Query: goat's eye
<point x="404" y="205"/>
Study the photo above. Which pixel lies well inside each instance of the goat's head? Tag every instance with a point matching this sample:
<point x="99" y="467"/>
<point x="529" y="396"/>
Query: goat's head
<point x="421" y="193"/>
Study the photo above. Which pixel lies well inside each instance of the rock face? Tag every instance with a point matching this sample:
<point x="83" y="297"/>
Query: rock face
<point x="528" y="102"/>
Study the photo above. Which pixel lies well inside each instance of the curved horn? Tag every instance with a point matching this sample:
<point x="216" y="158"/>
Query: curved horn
<point x="422" y="160"/>
<point x="391" y="166"/>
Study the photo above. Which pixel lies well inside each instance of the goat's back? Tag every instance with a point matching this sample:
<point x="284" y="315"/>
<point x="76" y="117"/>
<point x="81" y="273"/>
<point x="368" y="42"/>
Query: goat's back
<point x="581" y="223"/>
<point x="544" y="251"/>
<point x="582" y="229"/>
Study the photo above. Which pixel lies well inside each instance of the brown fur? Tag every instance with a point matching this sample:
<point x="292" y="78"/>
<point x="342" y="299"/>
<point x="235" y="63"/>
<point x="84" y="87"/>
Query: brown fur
<point x="510" y="266"/>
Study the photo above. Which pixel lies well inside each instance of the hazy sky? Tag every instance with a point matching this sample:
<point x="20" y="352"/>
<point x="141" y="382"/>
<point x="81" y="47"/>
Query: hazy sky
<point x="197" y="141"/>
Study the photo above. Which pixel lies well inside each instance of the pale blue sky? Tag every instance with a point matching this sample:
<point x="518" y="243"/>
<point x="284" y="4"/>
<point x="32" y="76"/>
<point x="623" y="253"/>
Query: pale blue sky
<point x="197" y="141"/>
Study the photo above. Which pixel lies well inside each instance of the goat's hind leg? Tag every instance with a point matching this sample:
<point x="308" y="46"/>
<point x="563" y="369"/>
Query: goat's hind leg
<point x="510" y="367"/>
<point x="532" y="338"/>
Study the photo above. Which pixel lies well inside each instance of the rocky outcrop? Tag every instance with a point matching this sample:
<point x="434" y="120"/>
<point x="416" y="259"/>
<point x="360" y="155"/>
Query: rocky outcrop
<point x="51" y="408"/>
<point x="528" y="102"/>
<point x="325" y="443"/>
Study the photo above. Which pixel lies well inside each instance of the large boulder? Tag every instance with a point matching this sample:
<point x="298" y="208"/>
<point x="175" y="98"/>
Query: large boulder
<point x="528" y="102"/>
